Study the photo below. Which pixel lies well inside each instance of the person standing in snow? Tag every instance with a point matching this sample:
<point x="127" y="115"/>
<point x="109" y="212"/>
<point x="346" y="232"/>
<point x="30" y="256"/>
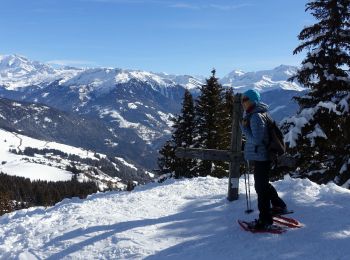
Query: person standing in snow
<point x="254" y="127"/>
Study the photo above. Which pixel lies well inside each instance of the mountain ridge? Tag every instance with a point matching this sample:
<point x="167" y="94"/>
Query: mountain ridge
<point x="137" y="106"/>
<point x="72" y="75"/>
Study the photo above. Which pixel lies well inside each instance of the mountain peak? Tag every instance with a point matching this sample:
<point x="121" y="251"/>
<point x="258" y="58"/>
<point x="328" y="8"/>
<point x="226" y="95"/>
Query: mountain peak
<point x="14" y="63"/>
<point x="264" y="80"/>
<point x="287" y="69"/>
<point x="284" y="66"/>
<point x="17" y="71"/>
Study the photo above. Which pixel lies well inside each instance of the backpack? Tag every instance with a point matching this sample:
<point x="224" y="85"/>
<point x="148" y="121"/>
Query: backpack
<point x="275" y="146"/>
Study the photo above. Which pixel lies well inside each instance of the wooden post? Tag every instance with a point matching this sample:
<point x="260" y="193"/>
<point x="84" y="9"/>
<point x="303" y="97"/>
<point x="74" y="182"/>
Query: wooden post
<point x="236" y="147"/>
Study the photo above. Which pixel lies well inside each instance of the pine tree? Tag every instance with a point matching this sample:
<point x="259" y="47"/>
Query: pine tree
<point x="319" y="134"/>
<point x="6" y="205"/>
<point x="166" y="160"/>
<point x="227" y="120"/>
<point x="210" y="130"/>
<point x="183" y="137"/>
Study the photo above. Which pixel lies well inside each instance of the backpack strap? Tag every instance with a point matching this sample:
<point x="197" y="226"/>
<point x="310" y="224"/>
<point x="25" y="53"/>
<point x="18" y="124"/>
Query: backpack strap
<point x="267" y="117"/>
<point x="268" y="120"/>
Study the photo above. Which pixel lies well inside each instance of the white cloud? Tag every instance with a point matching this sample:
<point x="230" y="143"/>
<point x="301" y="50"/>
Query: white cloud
<point x="184" y="6"/>
<point x="71" y="62"/>
<point x="177" y="4"/>
<point x="228" y="7"/>
<point x="126" y="1"/>
<point x="208" y="6"/>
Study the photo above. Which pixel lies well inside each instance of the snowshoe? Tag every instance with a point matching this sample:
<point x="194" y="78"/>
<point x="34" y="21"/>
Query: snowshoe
<point x="288" y="222"/>
<point x="257" y="227"/>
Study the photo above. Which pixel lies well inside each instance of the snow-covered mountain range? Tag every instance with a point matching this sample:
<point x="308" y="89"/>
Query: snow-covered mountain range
<point x="17" y="72"/>
<point x="134" y="106"/>
<point x="263" y="81"/>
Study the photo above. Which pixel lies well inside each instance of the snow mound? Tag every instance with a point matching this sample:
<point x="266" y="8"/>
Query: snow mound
<point x="182" y="219"/>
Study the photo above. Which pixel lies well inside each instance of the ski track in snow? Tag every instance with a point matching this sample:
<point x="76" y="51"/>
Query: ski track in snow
<point x="179" y="219"/>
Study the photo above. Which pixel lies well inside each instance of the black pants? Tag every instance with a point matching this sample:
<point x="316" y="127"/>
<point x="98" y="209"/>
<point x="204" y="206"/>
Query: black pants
<point x="266" y="192"/>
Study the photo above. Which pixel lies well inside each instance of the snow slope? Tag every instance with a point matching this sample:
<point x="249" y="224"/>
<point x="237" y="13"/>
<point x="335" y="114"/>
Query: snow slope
<point x="14" y="164"/>
<point x="183" y="219"/>
<point x="46" y="168"/>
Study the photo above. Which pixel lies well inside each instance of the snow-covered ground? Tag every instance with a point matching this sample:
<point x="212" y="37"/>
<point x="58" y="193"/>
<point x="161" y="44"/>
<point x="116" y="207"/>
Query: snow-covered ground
<point x="14" y="164"/>
<point x="40" y="167"/>
<point x="35" y="171"/>
<point x="179" y="219"/>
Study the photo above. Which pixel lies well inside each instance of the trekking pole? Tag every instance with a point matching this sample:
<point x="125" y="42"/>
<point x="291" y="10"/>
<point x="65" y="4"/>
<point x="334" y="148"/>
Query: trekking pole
<point x="247" y="190"/>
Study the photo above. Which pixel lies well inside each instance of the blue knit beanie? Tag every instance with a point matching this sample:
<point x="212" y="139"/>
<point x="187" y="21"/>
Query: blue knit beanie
<point x="253" y="95"/>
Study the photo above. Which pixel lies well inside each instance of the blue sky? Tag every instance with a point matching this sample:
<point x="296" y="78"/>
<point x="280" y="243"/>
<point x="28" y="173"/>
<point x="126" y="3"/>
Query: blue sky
<point x="181" y="37"/>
